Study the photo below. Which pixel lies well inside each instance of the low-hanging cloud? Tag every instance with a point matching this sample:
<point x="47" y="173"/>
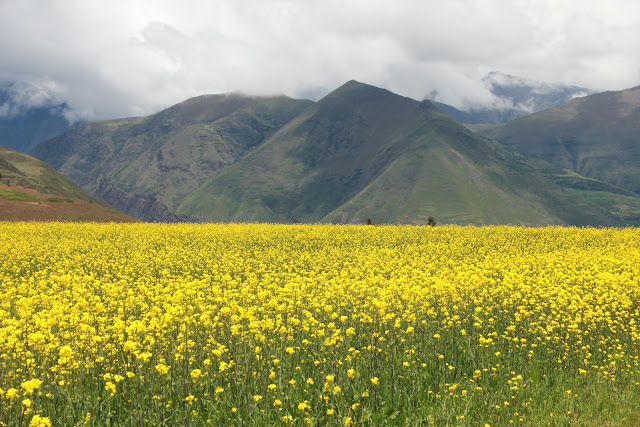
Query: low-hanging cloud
<point x="123" y="58"/>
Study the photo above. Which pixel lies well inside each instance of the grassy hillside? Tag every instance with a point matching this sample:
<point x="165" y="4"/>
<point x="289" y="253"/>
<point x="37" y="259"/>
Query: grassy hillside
<point x="363" y="152"/>
<point x="145" y="166"/>
<point x="32" y="190"/>
<point x="597" y="136"/>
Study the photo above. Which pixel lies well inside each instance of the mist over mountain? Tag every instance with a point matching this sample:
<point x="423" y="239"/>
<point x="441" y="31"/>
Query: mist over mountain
<point x="29" y="116"/>
<point x="513" y="97"/>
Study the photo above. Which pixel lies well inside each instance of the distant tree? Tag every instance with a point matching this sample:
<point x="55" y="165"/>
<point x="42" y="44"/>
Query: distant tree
<point x="369" y="222"/>
<point x="431" y="221"/>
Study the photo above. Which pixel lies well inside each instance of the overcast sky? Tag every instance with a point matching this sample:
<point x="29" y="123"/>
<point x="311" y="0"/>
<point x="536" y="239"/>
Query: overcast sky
<point x="114" y="58"/>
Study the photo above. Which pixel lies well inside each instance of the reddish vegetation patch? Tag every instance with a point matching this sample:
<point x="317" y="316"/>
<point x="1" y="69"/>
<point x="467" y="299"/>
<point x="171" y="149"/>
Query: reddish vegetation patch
<point x="27" y="189"/>
<point x="37" y="171"/>
<point x="61" y="211"/>
<point x="37" y="206"/>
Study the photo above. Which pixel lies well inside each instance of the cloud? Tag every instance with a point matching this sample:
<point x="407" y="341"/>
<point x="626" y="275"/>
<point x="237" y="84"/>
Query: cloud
<point x="24" y="95"/>
<point x="122" y="58"/>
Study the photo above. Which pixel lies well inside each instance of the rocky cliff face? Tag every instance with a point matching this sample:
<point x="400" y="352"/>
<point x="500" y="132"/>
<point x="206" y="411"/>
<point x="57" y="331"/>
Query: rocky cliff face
<point x="144" y="206"/>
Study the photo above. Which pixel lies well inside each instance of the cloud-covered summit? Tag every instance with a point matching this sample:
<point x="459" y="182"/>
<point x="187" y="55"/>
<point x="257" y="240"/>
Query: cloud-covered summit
<point x="512" y="97"/>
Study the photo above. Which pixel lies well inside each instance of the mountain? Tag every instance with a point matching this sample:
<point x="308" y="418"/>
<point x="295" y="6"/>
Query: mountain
<point x="22" y="128"/>
<point x="360" y="152"/>
<point x="32" y="190"/>
<point x="145" y="166"/>
<point x="515" y="97"/>
<point x="597" y="136"/>
<point x="363" y="152"/>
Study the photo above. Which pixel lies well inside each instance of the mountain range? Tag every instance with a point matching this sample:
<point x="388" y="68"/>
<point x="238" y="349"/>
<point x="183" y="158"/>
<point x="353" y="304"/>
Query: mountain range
<point x="360" y="152"/>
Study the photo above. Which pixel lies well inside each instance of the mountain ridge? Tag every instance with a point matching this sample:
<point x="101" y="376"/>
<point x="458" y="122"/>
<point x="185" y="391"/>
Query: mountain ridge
<point x="360" y="152"/>
<point x="182" y="144"/>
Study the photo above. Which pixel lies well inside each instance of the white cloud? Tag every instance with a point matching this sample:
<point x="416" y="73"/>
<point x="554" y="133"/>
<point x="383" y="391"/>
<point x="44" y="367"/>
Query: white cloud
<point x="118" y="58"/>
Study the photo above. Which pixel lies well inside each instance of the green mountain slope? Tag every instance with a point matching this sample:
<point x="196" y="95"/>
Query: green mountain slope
<point x="145" y="166"/>
<point x="31" y="190"/>
<point x="363" y="152"/>
<point x="597" y="136"/>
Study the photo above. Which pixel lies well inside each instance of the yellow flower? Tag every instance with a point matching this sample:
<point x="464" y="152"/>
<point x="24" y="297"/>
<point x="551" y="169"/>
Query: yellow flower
<point x="31" y="385"/>
<point x="39" y="421"/>
<point x="162" y="368"/>
<point x="110" y="387"/>
<point x="190" y="399"/>
<point x="375" y="381"/>
<point x="130" y="346"/>
<point x="65" y="352"/>
<point x="196" y="373"/>
<point x="26" y="402"/>
<point x="257" y="398"/>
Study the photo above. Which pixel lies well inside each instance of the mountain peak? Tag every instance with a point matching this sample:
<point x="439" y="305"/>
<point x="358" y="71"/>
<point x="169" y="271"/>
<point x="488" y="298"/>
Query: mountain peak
<point x="350" y="86"/>
<point x="354" y="93"/>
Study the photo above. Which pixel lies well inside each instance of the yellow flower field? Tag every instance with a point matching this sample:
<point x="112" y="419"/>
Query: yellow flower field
<point x="261" y="324"/>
